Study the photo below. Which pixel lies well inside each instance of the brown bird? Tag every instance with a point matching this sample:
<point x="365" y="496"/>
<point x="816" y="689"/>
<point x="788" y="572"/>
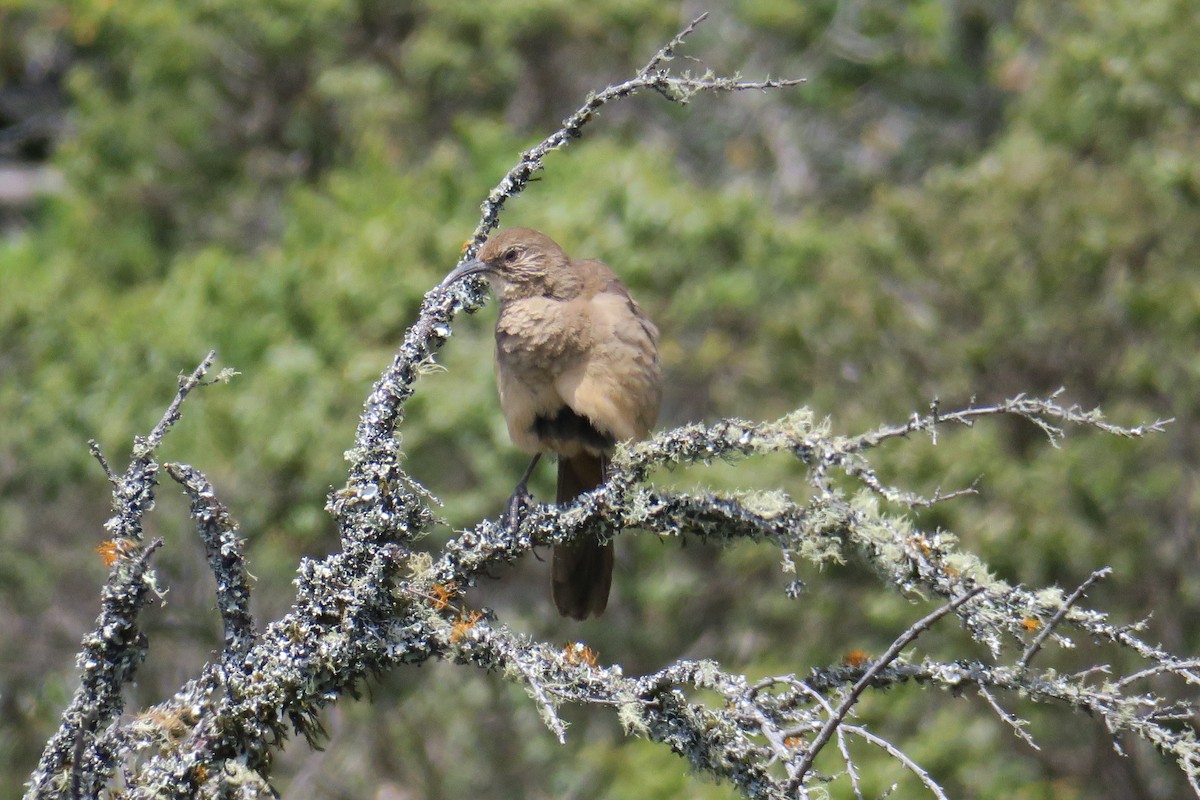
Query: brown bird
<point x="577" y="370"/>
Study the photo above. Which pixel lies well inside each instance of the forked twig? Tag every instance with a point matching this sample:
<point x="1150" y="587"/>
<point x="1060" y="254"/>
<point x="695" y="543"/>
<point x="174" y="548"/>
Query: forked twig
<point x="1059" y="615"/>
<point x="893" y="652"/>
<point x="901" y="756"/>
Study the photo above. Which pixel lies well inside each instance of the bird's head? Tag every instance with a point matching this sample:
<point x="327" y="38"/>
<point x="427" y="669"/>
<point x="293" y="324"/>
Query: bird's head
<point x="519" y="263"/>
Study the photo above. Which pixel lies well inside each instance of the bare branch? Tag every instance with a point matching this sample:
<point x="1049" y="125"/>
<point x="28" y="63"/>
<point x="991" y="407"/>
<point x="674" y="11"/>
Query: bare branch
<point x="1017" y="725"/>
<point x="98" y="454"/>
<point x="1059" y="615"/>
<point x="676" y="88"/>
<point x="1185" y="668"/>
<point x="668" y="50"/>
<point x="900" y="756"/>
<point x="890" y="655"/>
<point x="851" y="770"/>
<point x="1037" y="411"/>
<point x="143" y="448"/>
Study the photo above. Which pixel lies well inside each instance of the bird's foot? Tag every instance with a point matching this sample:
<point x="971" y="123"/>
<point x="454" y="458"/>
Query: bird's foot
<point x="517" y="504"/>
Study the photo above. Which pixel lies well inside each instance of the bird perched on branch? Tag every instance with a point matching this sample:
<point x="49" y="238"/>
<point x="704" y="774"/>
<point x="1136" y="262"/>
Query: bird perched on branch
<point x="577" y="369"/>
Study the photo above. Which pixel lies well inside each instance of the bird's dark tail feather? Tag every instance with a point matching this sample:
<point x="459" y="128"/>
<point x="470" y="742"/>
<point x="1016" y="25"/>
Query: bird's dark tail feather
<point x="581" y="572"/>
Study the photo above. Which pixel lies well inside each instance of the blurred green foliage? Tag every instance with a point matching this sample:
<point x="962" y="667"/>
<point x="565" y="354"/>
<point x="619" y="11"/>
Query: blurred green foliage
<point x="966" y="200"/>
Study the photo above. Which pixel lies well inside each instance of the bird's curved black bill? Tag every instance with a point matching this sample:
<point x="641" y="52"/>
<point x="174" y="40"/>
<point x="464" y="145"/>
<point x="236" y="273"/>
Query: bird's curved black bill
<point x="472" y="267"/>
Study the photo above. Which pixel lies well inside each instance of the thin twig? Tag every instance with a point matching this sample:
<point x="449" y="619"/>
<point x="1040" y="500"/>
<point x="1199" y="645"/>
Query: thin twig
<point x="773" y="735"/>
<point x="850" y="769"/>
<point x="1059" y="615"/>
<point x="888" y="657"/>
<point x="843" y="748"/>
<point x="1013" y="722"/>
<point x="1182" y="667"/>
<point x="98" y="454"/>
<point x="668" y="50"/>
<point x="673" y="87"/>
<point x="899" y="755"/>
<point x="549" y="713"/>
<point x="1035" y="410"/>
<point x="858" y="467"/>
<point x="143" y="447"/>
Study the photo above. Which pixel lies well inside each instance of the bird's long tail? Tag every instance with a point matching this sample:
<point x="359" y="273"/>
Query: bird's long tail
<point x="581" y="572"/>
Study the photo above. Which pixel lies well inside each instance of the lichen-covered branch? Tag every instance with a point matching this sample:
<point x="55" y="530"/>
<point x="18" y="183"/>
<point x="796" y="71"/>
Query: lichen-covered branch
<point x="223" y="547"/>
<point x="403" y="609"/>
<point x="72" y="764"/>
<point x="654" y="76"/>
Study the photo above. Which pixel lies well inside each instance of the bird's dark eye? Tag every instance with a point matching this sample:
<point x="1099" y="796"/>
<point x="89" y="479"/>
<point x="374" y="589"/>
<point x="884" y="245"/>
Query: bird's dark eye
<point x="510" y="255"/>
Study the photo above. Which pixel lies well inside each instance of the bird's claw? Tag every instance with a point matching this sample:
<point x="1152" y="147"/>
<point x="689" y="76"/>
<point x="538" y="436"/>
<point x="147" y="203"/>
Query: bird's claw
<point x="515" y="509"/>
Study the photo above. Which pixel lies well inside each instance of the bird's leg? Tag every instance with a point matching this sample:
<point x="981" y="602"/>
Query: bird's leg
<point x="520" y="496"/>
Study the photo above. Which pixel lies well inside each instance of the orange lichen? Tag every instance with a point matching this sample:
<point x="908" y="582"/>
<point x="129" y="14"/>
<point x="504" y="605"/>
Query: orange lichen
<point x="112" y="549"/>
<point x="441" y="594"/>
<point x="465" y="622"/>
<point x="579" y="653"/>
<point x="1031" y="624"/>
<point x="856" y="658"/>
